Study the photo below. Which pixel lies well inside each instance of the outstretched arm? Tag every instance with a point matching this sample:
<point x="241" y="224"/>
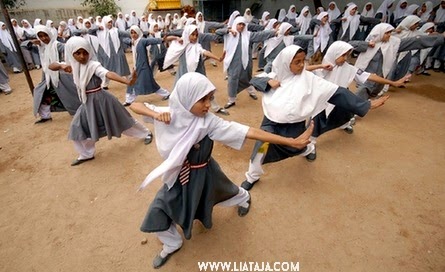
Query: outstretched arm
<point x="141" y="109"/>
<point x="381" y="80"/>
<point x="264" y="136"/>
<point x="128" y="81"/>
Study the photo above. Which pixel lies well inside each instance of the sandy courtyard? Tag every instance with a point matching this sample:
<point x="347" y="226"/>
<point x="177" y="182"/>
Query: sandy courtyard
<point x="372" y="201"/>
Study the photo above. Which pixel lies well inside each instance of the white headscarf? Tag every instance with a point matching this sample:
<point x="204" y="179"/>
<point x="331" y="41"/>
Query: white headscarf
<point x="201" y="25"/>
<point x="270" y="24"/>
<point x="424" y="52"/>
<point x="281" y="15"/>
<point x="185" y="128"/>
<point x="79" y="24"/>
<point x="134" y="43"/>
<point x="82" y="73"/>
<point x="272" y="43"/>
<point x="321" y="33"/>
<point x="37" y="22"/>
<point x="168" y="20"/>
<point x="160" y="22"/>
<point x="411" y="9"/>
<point x="71" y="25"/>
<point x="368" y="13"/>
<point x="94" y="41"/>
<point x="248" y="15"/>
<point x="440" y="14"/>
<point x="51" y="28"/>
<point x="6" y="38"/>
<point x="19" y="31"/>
<point x="383" y="9"/>
<point x="192" y="51"/>
<point x="103" y="36"/>
<point x="426" y="15"/>
<point x="406" y="32"/>
<point x="340" y="75"/>
<point x="352" y="21"/>
<point x="145" y="26"/>
<point x="264" y="20"/>
<point x="28" y="29"/>
<point x="49" y="53"/>
<point x="333" y="14"/>
<point x="304" y="22"/>
<point x="291" y="15"/>
<point x="231" y="43"/>
<point x="133" y="18"/>
<point x="232" y="17"/>
<point x="299" y="96"/>
<point x="120" y="22"/>
<point x="399" y="12"/>
<point x="175" y="21"/>
<point x="389" y="49"/>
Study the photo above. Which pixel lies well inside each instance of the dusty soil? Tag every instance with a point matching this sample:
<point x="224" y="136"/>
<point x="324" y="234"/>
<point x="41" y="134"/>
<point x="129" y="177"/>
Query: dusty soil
<point x="372" y="201"/>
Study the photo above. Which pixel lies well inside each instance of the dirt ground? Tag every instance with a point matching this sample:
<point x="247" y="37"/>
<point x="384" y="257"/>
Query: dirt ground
<point x="372" y="201"/>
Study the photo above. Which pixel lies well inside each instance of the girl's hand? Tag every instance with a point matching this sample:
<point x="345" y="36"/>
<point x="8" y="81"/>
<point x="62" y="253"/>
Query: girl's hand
<point x="327" y="66"/>
<point x="222" y="57"/>
<point x="234" y="32"/>
<point x="36" y="41"/>
<point x="164" y="117"/>
<point x="304" y="139"/>
<point x="66" y="68"/>
<point x="180" y="40"/>
<point x="274" y="84"/>
<point x="371" y="44"/>
<point x="133" y="78"/>
<point x="379" y="102"/>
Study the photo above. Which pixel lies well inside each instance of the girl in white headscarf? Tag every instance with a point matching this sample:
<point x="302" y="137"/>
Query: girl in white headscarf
<point x="37" y="22"/>
<point x="175" y="21"/>
<point x="238" y="57"/>
<point x="100" y="113"/>
<point x="380" y="57"/>
<point x="71" y="25"/>
<point x="248" y="15"/>
<point x="120" y="23"/>
<point x="342" y="73"/>
<point x="384" y="11"/>
<point x="50" y="26"/>
<point x="333" y="11"/>
<point x="321" y="40"/>
<point x="425" y="11"/>
<point x="144" y="25"/>
<point x="63" y="32"/>
<point x="418" y="61"/>
<point x="400" y="10"/>
<point x="292" y="95"/>
<point x="9" y="50"/>
<point x="145" y="83"/>
<point x="111" y="50"/>
<point x="56" y="91"/>
<point x="303" y="20"/>
<point x="291" y="13"/>
<point x="368" y="10"/>
<point x="134" y="20"/>
<point x="193" y="181"/>
<point x="282" y="16"/>
<point x="350" y="22"/>
<point x="440" y="13"/>
<point x="168" y="22"/>
<point x="79" y="23"/>
<point x="19" y="32"/>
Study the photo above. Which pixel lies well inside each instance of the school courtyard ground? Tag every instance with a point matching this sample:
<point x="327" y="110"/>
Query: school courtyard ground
<point x="372" y="201"/>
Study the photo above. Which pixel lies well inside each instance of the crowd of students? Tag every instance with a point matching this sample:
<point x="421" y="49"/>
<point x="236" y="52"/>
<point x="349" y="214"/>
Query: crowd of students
<point x="304" y="88"/>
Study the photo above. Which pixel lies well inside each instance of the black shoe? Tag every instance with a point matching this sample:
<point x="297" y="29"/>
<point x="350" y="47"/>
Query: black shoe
<point x="311" y="156"/>
<point x="229" y="104"/>
<point x="105" y="88"/>
<point x="165" y="97"/>
<point x="223" y="111"/>
<point x="43" y="120"/>
<point x="253" y="96"/>
<point x="244" y="211"/>
<point x="148" y="139"/>
<point x="158" y="261"/>
<point x="247" y="185"/>
<point x="126" y="104"/>
<point x="349" y="129"/>
<point x="77" y="161"/>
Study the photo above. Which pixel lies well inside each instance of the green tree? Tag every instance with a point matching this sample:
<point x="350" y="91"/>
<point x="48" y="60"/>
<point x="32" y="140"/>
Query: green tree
<point x="101" y="7"/>
<point x="13" y="4"/>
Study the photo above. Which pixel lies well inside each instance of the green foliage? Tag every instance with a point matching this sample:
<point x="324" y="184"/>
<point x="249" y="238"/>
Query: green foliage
<point x="101" y="7"/>
<point x="13" y="4"/>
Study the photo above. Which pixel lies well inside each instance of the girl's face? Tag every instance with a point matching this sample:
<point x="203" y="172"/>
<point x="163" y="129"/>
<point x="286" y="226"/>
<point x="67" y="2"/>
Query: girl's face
<point x="14" y="22"/>
<point x="240" y="27"/>
<point x="81" y="56"/>
<point x="414" y="26"/>
<point x="194" y="36"/>
<point x="25" y="24"/>
<point x="297" y="63"/>
<point x="342" y="59"/>
<point x="4" y="27"/>
<point x="110" y="24"/>
<point x="44" y="37"/>
<point x="202" y="106"/>
<point x="292" y="9"/>
<point x="134" y="35"/>
<point x="324" y="19"/>
<point x="368" y="7"/>
<point x="87" y="24"/>
<point x="331" y="6"/>
<point x="386" y="36"/>
<point x="423" y="9"/>
<point x="200" y="17"/>
<point x="306" y="13"/>
<point x="155" y="28"/>
<point x="353" y="11"/>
